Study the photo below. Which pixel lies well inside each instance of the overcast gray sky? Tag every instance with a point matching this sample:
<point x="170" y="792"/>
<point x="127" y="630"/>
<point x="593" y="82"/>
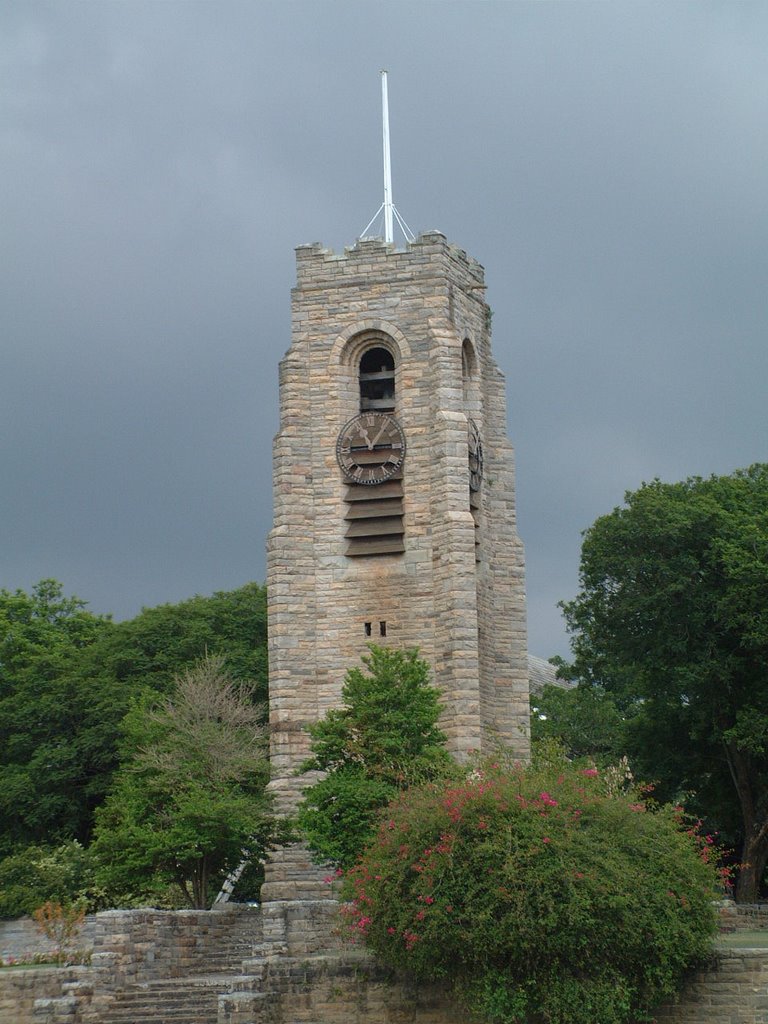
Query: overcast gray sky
<point x="606" y="162"/>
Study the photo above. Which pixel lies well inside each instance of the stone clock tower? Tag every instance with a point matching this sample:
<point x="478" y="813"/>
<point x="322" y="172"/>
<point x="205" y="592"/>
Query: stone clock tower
<point x="394" y="501"/>
<point x="394" y="496"/>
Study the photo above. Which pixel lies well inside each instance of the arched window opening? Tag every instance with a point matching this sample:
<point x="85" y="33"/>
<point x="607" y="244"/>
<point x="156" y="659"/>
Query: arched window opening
<point x="468" y="372"/>
<point x="377" y="380"/>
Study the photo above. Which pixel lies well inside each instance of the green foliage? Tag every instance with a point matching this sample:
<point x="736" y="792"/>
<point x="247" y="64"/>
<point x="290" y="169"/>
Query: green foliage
<point x="584" y="719"/>
<point x="383" y="739"/>
<point x="39" y="874"/>
<point x="150" y="650"/>
<point x="672" y="623"/>
<point x="189" y="798"/>
<point x="44" y="713"/>
<point x="547" y="894"/>
<point x="67" y="678"/>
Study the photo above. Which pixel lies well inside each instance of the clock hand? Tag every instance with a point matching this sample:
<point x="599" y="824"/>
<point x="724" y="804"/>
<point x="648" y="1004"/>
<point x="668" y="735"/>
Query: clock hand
<point x="364" y="432"/>
<point x="371" y="446"/>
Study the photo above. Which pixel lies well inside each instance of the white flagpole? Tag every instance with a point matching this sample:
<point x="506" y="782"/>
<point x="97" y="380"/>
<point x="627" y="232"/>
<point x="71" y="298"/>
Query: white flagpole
<point x="388" y="226"/>
<point x="387" y="208"/>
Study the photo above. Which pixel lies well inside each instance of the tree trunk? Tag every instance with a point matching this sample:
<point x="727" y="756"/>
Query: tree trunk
<point x="754" y="814"/>
<point x="754" y="856"/>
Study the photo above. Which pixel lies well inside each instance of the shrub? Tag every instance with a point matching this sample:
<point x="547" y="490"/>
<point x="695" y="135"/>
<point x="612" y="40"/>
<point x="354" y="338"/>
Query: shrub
<point x="61" y="924"/>
<point x="383" y="739"/>
<point x="546" y="894"/>
<point x="35" y="874"/>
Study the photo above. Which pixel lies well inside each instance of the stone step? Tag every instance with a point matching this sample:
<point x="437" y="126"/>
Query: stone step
<point x="164" y="1015"/>
<point x="182" y="1001"/>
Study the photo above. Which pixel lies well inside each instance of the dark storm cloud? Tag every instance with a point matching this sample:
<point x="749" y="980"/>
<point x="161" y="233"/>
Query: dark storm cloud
<point x="606" y="163"/>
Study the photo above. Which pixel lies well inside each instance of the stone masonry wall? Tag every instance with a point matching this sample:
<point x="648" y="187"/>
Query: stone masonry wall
<point x="335" y="985"/>
<point x="352" y="989"/>
<point x="163" y="944"/>
<point x="21" y="989"/>
<point x="426" y="304"/>
<point x="22" y="939"/>
<point x="733" y="990"/>
<point x="743" y="916"/>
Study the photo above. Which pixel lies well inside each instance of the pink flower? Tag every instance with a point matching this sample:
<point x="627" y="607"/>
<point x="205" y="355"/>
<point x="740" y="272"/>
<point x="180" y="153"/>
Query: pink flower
<point x="546" y="839"/>
<point x="390" y="931"/>
<point x="590" y="772"/>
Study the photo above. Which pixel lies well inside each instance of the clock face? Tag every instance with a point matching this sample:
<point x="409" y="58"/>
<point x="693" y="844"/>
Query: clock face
<point x="370" y="448"/>
<point x="475" y="450"/>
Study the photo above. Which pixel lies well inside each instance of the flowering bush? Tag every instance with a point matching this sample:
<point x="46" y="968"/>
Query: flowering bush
<point x="542" y="893"/>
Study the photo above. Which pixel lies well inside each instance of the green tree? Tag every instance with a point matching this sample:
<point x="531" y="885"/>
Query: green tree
<point x="38" y="874"/>
<point x="189" y="797"/>
<point x="43" y="713"/>
<point x="672" y="622"/>
<point x="67" y="678"/>
<point x="546" y="893"/>
<point x="384" y="738"/>
<point x="149" y="650"/>
<point x="584" y="720"/>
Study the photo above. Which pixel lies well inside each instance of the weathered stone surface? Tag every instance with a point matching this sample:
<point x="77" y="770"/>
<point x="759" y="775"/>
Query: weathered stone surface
<point x="220" y="981"/>
<point x="462" y="605"/>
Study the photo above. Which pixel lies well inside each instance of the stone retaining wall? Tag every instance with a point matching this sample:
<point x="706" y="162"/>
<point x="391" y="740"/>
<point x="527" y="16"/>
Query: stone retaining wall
<point x="19" y="989"/>
<point x="134" y="948"/>
<point x="160" y="944"/>
<point x="743" y="916"/>
<point x="351" y="989"/>
<point x="733" y="990"/>
<point x="21" y="939"/>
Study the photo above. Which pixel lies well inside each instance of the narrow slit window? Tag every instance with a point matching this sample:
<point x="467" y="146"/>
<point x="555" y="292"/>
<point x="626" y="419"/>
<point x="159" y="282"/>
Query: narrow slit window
<point x="382" y="628"/>
<point x="368" y="629"/>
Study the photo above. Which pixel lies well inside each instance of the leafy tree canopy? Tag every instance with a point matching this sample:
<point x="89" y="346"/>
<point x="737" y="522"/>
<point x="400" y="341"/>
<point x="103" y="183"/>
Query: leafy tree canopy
<point x="384" y="738"/>
<point x="189" y="797"/>
<point x="68" y="677"/>
<point x="584" y="720"/>
<point x="152" y="648"/>
<point x="43" y="638"/>
<point x="672" y="623"/>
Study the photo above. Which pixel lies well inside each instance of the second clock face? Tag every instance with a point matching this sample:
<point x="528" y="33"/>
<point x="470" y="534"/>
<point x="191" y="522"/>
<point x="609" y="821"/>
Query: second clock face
<point x="475" y="450"/>
<point x="370" y="448"/>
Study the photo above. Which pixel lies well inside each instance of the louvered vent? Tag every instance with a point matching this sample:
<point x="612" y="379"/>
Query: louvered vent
<point x="375" y="518"/>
